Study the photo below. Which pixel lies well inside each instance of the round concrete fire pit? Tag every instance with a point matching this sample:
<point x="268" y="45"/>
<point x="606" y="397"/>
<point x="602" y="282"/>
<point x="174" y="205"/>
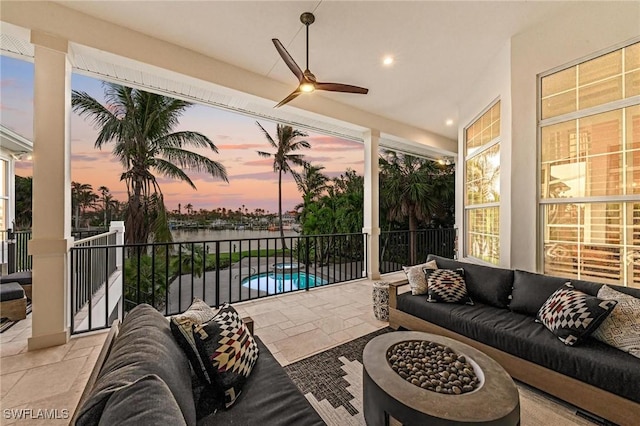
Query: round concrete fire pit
<point x="493" y="400"/>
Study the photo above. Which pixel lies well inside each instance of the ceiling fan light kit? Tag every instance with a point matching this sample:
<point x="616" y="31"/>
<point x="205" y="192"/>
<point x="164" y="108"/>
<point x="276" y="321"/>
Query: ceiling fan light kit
<point x="307" y="81"/>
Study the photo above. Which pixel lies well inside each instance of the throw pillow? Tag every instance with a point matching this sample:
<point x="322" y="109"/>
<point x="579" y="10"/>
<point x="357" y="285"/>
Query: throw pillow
<point x="182" y="329"/>
<point x="416" y="276"/>
<point x="228" y="352"/>
<point x="447" y="285"/>
<point x="573" y="315"/>
<point x="621" y="329"/>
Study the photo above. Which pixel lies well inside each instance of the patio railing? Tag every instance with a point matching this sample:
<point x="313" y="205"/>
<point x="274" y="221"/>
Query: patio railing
<point x="13" y="247"/>
<point x="169" y="275"/>
<point x="396" y="248"/>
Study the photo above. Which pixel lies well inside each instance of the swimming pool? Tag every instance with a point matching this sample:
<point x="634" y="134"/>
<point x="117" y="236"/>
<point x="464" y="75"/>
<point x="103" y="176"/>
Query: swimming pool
<point x="273" y="283"/>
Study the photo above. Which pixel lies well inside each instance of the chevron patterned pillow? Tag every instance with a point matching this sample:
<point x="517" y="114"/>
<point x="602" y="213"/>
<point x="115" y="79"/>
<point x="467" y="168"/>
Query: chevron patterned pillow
<point x="228" y="352"/>
<point x="573" y="315"/>
<point x="621" y="329"/>
<point x="447" y="286"/>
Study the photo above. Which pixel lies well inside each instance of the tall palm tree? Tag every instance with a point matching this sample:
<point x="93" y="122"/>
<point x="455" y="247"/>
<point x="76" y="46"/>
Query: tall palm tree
<point x="82" y="197"/>
<point x="141" y="127"/>
<point x="107" y="203"/>
<point x="312" y="183"/>
<point x="287" y="142"/>
<point x="413" y="188"/>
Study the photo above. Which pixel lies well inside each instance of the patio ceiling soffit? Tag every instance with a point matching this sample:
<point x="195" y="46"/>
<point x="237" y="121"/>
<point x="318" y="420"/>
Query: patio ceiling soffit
<point x="194" y="82"/>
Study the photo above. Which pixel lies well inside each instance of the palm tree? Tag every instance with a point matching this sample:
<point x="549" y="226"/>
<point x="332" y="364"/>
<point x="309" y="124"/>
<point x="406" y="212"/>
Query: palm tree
<point x="414" y="188"/>
<point x="189" y="208"/>
<point x="312" y="183"/>
<point x="82" y="197"/>
<point x="107" y="203"/>
<point x="287" y="142"/>
<point x="140" y="125"/>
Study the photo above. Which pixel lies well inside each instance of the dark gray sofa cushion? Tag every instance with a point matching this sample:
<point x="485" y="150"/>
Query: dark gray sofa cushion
<point x="147" y="401"/>
<point x="144" y="346"/>
<point x="530" y="290"/>
<point x="484" y="284"/>
<point x="592" y="362"/>
<point x="11" y="291"/>
<point x="269" y="397"/>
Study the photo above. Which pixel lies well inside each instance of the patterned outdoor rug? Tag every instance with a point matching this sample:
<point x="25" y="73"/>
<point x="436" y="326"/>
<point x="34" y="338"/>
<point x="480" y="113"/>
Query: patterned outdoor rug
<point x="6" y="323"/>
<point x="332" y="382"/>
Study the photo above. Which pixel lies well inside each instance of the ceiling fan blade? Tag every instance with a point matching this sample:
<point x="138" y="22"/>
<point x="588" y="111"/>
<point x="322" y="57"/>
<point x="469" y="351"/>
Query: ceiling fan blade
<point x="289" y="98"/>
<point x="288" y="59"/>
<point x="337" y="87"/>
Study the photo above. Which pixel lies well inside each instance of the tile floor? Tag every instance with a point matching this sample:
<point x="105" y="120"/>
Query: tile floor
<point x="293" y="326"/>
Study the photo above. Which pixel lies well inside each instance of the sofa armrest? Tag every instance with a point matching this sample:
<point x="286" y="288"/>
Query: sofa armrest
<point x="97" y="367"/>
<point x="248" y="321"/>
<point x="393" y="292"/>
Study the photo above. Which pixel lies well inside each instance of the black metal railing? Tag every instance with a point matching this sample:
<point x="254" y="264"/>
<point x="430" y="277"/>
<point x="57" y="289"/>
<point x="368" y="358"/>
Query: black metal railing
<point x="402" y="248"/>
<point x="14" y="252"/>
<point x="92" y="262"/>
<point x="169" y="276"/>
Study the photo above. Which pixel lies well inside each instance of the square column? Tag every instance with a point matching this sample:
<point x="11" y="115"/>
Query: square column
<point x="372" y="202"/>
<point x="51" y="191"/>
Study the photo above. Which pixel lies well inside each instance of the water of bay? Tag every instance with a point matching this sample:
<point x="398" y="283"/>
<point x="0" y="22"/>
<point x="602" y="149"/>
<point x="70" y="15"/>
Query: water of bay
<point x="230" y="240"/>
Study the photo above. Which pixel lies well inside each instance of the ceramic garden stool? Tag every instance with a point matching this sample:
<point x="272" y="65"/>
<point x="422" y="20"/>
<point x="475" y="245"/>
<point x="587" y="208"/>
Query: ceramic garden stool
<point x="381" y="301"/>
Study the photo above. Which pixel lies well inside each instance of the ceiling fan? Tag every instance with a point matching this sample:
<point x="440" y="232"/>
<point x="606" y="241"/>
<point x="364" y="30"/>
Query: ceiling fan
<point x="307" y="80"/>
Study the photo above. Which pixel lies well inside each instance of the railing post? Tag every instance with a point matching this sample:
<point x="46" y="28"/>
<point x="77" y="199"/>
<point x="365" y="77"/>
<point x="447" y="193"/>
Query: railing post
<point x="11" y="251"/>
<point x="306" y="263"/>
<point x="118" y="226"/>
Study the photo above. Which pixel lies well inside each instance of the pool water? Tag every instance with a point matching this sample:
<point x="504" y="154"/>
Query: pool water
<point x="281" y="282"/>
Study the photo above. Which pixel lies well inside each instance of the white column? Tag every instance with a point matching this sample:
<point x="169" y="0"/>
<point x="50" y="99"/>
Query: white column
<point x="372" y="202"/>
<point x="51" y="191"/>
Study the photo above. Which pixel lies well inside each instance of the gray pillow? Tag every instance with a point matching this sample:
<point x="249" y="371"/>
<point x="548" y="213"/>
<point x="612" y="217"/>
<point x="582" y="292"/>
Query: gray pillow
<point x="147" y="401"/>
<point x="530" y="291"/>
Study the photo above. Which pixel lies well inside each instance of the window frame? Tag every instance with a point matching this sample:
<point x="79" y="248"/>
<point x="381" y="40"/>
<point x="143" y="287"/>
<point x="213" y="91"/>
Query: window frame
<point x="619" y="104"/>
<point x="466" y="207"/>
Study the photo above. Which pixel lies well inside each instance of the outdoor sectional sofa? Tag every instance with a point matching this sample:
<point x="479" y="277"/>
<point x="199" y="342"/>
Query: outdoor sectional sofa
<point x="143" y="377"/>
<point x="593" y="376"/>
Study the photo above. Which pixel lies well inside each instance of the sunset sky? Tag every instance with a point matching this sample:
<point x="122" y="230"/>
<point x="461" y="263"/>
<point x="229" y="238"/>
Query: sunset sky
<point x="252" y="181"/>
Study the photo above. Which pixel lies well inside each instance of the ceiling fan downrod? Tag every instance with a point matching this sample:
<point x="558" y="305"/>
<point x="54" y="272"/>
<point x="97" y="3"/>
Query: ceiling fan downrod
<point x="307" y="18"/>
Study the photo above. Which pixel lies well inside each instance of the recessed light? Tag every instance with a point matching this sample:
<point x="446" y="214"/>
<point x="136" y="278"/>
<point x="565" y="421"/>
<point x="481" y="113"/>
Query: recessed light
<point x="388" y="60"/>
<point x="449" y="122"/>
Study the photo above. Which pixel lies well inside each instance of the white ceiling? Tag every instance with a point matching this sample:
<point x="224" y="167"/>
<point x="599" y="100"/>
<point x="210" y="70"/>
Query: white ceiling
<point x="439" y="47"/>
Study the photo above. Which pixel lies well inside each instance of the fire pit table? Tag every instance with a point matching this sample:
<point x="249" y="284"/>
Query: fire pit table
<point x="403" y="369"/>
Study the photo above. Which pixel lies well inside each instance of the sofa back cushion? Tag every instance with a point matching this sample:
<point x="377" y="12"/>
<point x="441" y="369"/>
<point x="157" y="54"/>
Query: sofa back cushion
<point x="531" y="290"/>
<point x="485" y="284"/>
<point x="144" y="346"/>
<point x="147" y="401"/>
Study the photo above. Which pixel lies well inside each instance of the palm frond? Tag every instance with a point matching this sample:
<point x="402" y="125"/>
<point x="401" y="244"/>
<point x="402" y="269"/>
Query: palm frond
<point x="172" y="171"/>
<point x="194" y="161"/>
<point x="268" y="136"/>
<point x="186" y="138"/>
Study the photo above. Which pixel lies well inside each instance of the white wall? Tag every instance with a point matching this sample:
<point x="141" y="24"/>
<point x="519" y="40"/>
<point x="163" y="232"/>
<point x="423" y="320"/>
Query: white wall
<point x="583" y="29"/>
<point x="493" y="84"/>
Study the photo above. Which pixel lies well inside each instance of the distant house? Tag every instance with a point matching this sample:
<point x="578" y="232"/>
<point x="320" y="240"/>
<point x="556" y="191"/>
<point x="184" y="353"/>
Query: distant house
<point x="13" y="146"/>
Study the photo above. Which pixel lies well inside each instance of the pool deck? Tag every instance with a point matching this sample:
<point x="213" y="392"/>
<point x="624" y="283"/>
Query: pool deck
<point x="184" y="288"/>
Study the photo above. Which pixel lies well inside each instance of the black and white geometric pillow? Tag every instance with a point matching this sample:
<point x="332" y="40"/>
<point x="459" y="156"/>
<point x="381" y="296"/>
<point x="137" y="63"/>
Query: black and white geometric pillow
<point x="447" y="286"/>
<point x="573" y="315"/>
<point x="228" y="352"/>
